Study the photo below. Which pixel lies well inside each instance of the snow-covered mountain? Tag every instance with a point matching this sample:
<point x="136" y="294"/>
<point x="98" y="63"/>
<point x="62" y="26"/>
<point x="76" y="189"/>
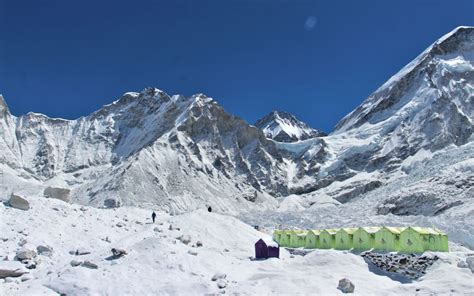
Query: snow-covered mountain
<point x="426" y="107"/>
<point x="285" y="127"/>
<point x="145" y="148"/>
<point x="179" y="154"/>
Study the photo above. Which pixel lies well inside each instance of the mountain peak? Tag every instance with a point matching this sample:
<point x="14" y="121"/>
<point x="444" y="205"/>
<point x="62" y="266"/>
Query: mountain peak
<point x="284" y="127"/>
<point x="153" y="92"/>
<point x="3" y="105"/>
<point x="448" y="58"/>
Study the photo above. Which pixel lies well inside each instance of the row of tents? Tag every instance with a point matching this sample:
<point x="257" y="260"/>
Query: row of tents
<point x="388" y="239"/>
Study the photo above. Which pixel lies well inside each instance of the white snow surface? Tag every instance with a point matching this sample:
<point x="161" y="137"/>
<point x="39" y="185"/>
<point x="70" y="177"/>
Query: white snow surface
<point x="158" y="263"/>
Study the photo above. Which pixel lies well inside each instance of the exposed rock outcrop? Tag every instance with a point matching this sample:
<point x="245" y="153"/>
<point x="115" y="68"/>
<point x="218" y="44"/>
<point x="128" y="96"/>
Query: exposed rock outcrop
<point x="58" y="193"/>
<point x="18" y="202"/>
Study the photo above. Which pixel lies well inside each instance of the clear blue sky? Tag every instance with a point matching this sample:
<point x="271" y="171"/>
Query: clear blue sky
<point x="315" y="59"/>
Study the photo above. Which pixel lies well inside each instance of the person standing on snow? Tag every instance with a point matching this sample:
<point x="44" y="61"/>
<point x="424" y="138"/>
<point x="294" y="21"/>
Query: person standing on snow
<point x="153" y="216"/>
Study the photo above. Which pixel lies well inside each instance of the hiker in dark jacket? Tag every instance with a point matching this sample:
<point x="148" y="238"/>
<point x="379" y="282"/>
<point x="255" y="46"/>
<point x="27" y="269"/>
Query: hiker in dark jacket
<point x="153" y="216"/>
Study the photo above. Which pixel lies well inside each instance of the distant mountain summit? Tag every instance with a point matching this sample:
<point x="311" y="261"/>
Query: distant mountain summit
<point x="285" y="127"/>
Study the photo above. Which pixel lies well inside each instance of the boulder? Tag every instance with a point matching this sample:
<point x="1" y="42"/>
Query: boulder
<point x="81" y="251"/>
<point x="221" y="284"/>
<point x="470" y="263"/>
<point x="30" y="264"/>
<point x="218" y="276"/>
<point x="462" y="264"/>
<point x="26" y="253"/>
<point x="192" y="252"/>
<point x="26" y="277"/>
<point x="44" y="250"/>
<point x="346" y="286"/>
<point x="19" y="202"/>
<point x="111" y="203"/>
<point x="90" y="265"/>
<point x="11" y="269"/>
<point x="58" y="193"/>
<point x="75" y="263"/>
<point x="198" y="244"/>
<point x="117" y="253"/>
<point x="185" y="239"/>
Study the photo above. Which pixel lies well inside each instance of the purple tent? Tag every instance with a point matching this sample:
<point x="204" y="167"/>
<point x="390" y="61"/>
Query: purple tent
<point x="274" y="252"/>
<point x="261" y="250"/>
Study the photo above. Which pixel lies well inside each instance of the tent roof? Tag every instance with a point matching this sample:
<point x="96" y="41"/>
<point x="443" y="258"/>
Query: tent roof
<point x="425" y="230"/>
<point x="370" y="229"/>
<point x="330" y="231"/>
<point x="394" y="230"/>
<point x="350" y="230"/>
<point x="269" y="243"/>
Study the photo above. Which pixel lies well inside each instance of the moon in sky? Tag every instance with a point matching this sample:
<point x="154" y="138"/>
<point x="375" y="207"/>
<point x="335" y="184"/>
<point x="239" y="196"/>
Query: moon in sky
<point x="310" y="23"/>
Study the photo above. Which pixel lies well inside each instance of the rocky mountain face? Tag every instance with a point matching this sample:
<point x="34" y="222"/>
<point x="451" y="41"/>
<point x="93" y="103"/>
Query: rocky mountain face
<point x="284" y="127"/>
<point x="147" y="148"/>
<point x="427" y="106"/>
<point x="178" y="153"/>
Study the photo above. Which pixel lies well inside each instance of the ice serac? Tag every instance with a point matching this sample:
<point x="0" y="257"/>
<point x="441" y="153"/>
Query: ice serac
<point x="285" y="127"/>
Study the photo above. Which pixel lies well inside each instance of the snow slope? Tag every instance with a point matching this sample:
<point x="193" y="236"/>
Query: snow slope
<point x="158" y="263"/>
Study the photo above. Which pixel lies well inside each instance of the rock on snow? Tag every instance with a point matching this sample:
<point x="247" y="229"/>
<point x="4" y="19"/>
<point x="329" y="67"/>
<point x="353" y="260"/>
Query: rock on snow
<point x="19" y="202"/>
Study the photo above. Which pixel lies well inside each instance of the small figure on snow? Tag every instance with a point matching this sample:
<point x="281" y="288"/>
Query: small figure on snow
<point x="209" y="209"/>
<point x="153" y="216"/>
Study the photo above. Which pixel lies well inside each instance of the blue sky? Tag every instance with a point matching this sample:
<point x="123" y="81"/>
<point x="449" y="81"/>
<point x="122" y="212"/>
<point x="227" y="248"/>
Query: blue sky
<point x="315" y="59"/>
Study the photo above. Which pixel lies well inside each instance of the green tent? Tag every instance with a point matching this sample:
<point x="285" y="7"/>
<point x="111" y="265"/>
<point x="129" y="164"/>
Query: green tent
<point x="443" y="241"/>
<point x="388" y="239"/>
<point x="277" y="235"/>
<point x="420" y="239"/>
<point x="364" y="238"/>
<point x="298" y="238"/>
<point x="285" y="238"/>
<point x="327" y="238"/>
<point x="312" y="239"/>
<point x="431" y="238"/>
<point x="344" y="238"/>
<point x="413" y="240"/>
